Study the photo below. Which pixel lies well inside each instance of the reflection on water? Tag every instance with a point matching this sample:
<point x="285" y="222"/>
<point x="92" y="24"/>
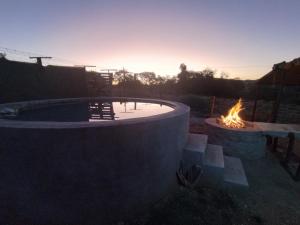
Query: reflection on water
<point x="101" y="111"/>
<point x="94" y="111"/>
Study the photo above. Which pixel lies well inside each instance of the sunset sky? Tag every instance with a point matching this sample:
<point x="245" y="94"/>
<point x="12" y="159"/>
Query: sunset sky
<point x="242" y="38"/>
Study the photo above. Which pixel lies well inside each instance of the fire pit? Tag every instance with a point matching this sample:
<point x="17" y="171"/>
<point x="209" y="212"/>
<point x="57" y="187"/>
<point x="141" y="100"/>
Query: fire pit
<point x="238" y="137"/>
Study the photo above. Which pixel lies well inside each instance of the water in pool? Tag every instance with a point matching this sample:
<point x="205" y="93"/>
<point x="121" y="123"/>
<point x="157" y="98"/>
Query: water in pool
<point x="93" y="111"/>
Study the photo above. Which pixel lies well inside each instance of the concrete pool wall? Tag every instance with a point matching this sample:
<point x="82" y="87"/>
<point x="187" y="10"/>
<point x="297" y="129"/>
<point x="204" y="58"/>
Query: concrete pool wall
<point x="75" y="173"/>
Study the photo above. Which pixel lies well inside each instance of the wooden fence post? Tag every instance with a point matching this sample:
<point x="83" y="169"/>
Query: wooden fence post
<point x="212" y="105"/>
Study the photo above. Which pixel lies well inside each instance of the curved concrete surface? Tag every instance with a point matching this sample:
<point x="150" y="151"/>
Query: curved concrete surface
<point x="87" y="172"/>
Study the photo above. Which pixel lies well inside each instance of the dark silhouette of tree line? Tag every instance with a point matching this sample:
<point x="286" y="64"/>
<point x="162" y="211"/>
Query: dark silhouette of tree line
<point x="186" y="82"/>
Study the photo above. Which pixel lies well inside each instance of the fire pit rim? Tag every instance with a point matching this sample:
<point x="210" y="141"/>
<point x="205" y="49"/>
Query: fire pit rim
<point x="253" y="128"/>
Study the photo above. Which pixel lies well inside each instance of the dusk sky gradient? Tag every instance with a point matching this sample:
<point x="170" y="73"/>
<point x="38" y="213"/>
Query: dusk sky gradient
<point x="242" y="38"/>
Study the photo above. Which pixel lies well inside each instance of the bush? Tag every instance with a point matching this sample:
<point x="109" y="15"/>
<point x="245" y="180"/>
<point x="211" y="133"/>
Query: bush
<point x="196" y="102"/>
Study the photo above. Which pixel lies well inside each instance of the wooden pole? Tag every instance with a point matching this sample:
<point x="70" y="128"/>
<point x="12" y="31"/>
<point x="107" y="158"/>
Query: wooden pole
<point x="275" y="144"/>
<point x="276" y="105"/>
<point x="255" y="104"/>
<point x="290" y="147"/>
<point x="212" y="105"/>
<point x="39" y="59"/>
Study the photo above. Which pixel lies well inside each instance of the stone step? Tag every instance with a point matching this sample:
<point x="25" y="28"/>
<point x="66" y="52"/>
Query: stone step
<point x="234" y="171"/>
<point x="194" y="150"/>
<point x="213" y="167"/>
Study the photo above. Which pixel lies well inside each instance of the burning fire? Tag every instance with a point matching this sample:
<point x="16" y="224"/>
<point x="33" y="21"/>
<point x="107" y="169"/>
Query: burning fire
<point x="233" y="120"/>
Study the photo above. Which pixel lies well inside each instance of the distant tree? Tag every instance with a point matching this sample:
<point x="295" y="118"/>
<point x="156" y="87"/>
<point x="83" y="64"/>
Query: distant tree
<point x="224" y="75"/>
<point x="2" y="55"/>
<point x="183" y="67"/>
<point x="148" y="78"/>
<point x="171" y="79"/>
<point x="123" y="76"/>
<point x="184" y="74"/>
<point x="170" y="85"/>
<point x="208" y="73"/>
<point x="195" y="75"/>
<point x="161" y="80"/>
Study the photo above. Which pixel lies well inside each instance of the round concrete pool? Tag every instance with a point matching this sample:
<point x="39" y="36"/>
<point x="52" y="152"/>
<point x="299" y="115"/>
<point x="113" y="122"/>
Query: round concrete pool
<point x="92" y="167"/>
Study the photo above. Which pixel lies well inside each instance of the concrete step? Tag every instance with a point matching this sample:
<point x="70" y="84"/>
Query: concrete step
<point x="196" y="142"/>
<point x="214" y="156"/>
<point x="234" y="171"/>
<point x="194" y="150"/>
<point x="213" y="167"/>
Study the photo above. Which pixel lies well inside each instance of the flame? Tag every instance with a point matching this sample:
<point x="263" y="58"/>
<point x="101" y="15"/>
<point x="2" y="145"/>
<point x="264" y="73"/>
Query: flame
<point x="233" y="120"/>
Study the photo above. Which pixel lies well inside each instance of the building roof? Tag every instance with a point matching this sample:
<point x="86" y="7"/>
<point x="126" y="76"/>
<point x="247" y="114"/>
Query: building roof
<point x="286" y="72"/>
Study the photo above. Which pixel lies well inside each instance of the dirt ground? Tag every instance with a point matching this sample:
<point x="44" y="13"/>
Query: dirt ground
<point x="271" y="198"/>
<point x="272" y="195"/>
